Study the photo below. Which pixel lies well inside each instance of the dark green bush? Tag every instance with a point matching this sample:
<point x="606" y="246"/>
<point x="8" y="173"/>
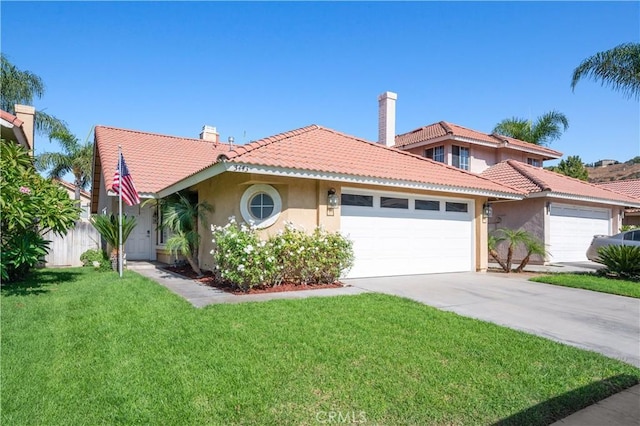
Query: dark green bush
<point x="621" y="261"/>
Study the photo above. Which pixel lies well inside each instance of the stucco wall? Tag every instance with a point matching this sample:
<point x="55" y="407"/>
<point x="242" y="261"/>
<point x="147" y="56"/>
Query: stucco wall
<point x="304" y="202"/>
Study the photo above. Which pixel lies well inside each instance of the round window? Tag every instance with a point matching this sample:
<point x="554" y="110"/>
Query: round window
<point x="260" y="205"/>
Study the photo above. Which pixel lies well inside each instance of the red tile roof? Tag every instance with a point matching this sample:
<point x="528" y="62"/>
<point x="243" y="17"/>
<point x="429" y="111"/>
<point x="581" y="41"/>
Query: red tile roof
<point x="154" y="161"/>
<point x="537" y="180"/>
<point x="630" y="187"/>
<point x="10" y="118"/>
<point x="443" y="128"/>
<point x="323" y="150"/>
<point x="72" y="187"/>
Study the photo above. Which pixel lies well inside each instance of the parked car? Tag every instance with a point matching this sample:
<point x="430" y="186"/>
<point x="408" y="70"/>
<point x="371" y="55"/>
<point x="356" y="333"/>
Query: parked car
<point x="628" y="238"/>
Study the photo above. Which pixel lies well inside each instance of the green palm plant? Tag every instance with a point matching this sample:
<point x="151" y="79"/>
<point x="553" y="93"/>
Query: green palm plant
<point x="21" y="87"/>
<point x="181" y="215"/>
<point x="546" y="128"/>
<point x="108" y="228"/>
<point x="514" y="238"/>
<point x="76" y="158"/>
<point x="618" y="67"/>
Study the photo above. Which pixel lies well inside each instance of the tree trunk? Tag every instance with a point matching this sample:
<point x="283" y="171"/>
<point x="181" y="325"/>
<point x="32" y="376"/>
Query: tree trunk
<point x="509" y="258"/>
<point x="524" y="262"/>
<point x="194" y="265"/>
<point x="496" y="257"/>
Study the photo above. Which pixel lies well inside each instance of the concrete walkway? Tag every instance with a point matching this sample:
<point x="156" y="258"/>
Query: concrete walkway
<point x="200" y="295"/>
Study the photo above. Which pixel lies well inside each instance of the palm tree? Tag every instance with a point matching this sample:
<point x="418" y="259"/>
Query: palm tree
<point x="76" y="158"/>
<point x="514" y="237"/>
<point x="618" y="67"/>
<point x="21" y="87"/>
<point x="108" y="228"/>
<point x="180" y="215"/>
<point x="546" y="128"/>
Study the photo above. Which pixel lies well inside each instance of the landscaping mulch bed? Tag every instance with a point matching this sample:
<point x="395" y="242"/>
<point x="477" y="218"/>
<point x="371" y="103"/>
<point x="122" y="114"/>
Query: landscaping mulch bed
<point x="210" y="280"/>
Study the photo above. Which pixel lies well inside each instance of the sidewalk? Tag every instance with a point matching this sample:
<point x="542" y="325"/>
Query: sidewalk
<point x="621" y="409"/>
<point x="200" y="295"/>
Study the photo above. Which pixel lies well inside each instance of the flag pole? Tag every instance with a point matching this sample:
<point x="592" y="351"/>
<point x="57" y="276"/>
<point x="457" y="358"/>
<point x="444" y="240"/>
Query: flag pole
<point x="120" y="245"/>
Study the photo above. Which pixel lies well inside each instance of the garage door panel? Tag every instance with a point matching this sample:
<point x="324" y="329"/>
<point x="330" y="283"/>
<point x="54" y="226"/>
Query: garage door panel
<point x="571" y="229"/>
<point x="391" y="242"/>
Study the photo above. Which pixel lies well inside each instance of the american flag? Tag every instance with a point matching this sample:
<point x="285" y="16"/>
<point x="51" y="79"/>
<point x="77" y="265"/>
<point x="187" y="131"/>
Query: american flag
<point x="129" y="193"/>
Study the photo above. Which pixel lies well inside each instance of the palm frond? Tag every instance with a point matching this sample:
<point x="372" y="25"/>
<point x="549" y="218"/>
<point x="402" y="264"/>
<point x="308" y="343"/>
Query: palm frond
<point x="618" y="68"/>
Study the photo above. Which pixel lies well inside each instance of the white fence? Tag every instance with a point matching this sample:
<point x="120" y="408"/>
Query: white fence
<point x="66" y="250"/>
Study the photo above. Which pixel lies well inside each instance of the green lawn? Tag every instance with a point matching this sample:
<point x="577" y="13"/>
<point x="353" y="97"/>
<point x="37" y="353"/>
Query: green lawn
<point x="83" y="347"/>
<point x="592" y="282"/>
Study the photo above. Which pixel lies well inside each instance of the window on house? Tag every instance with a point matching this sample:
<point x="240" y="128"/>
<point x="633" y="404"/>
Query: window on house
<point x="261" y="205"/>
<point x="436" y="153"/>
<point x="457" y="207"/>
<point x="356" y="200"/>
<point x="535" y="162"/>
<point x="394" y="203"/>
<point x="460" y="157"/>
<point x="427" y="205"/>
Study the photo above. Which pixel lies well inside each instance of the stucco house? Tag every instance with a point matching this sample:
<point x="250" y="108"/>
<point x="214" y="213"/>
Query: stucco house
<point x="630" y="187"/>
<point x="458" y="146"/>
<point x="405" y="214"/>
<point x="563" y="212"/>
<point x="85" y="197"/>
<point x="19" y="128"/>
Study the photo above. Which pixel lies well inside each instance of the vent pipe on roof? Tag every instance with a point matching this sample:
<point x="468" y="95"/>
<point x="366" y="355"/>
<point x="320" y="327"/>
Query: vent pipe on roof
<point x="210" y="134"/>
<point x="387" y="118"/>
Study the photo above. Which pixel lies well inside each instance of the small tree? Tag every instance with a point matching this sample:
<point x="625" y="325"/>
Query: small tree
<point x="108" y="228"/>
<point x="30" y="206"/>
<point x="181" y="215"/>
<point x="572" y="167"/>
<point x="515" y="238"/>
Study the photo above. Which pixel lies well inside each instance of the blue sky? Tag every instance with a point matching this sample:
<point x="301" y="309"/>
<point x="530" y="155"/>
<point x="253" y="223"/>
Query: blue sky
<point x="256" y="69"/>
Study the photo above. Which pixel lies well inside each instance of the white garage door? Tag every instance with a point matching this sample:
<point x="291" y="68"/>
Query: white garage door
<point x="572" y="228"/>
<point x="397" y="234"/>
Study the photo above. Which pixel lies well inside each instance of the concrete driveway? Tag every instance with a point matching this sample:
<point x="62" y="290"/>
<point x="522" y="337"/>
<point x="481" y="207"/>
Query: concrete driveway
<point x="600" y="322"/>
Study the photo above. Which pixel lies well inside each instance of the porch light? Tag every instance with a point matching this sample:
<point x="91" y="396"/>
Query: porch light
<point x="332" y="199"/>
<point x="487" y="210"/>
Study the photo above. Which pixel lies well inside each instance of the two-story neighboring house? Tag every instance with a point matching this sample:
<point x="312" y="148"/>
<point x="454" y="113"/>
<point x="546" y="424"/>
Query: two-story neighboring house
<point x="562" y="212"/>
<point x="458" y="146"/>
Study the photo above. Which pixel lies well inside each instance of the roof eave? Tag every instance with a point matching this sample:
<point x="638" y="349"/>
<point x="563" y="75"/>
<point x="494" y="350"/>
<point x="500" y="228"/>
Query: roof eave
<point x="573" y="197"/>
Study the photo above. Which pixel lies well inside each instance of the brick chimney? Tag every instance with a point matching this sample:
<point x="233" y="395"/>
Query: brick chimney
<point x="27" y="114"/>
<point x="210" y="133"/>
<point x="387" y="118"/>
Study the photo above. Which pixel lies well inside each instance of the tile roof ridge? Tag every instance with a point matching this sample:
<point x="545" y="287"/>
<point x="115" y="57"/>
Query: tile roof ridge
<point x="251" y="146"/>
<point x="418" y="129"/>
<point x="13" y="119"/>
<point x="617" y="181"/>
<point x="522" y="169"/>
<point x="447" y="126"/>
<point x="141" y="132"/>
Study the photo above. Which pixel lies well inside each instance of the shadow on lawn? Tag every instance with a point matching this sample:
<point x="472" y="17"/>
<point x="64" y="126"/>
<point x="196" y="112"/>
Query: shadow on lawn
<point x="36" y="281"/>
<point x="564" y="405"/>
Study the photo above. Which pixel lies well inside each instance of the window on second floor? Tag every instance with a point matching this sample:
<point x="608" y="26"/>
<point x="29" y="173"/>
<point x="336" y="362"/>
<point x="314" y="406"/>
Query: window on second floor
<point x="535" y="162"/>
<point x="460" y="157"/>
<point x="435" y="153"/>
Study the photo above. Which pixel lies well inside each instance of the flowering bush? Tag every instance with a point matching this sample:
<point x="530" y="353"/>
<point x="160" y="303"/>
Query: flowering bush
<point x="290" y="256"/>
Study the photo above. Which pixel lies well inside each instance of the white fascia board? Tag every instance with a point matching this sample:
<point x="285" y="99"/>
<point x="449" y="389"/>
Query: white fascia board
<point x="140" y="194"/>
<point x="448" y="138"/>
<point x="17" y="131"/>
<point x="202" y="175"/>
<point x="530" y="151"/>
<point x="365" y="180"/>
<point x="563" y="196"/>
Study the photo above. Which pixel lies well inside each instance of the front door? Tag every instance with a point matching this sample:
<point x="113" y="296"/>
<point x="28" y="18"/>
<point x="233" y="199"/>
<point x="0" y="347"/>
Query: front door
<point x="138" y="245"/>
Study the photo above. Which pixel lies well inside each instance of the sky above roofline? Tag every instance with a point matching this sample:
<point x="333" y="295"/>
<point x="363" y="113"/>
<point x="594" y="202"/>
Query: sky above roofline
<point x="258" y="69"/>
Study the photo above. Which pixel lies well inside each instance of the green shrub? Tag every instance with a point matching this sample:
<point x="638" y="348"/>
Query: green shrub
<point x="93" y="255"/>
<point x="621" y="261"/>
<point x="625" y="228"/>
<point x="291" y="256"/>
<point x="30" y="206"/>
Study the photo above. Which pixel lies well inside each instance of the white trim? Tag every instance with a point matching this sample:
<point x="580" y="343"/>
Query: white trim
<point x="198" y="177"/>
<point x="249" y="193"/>
<point x="496" y="145"/>
<point x="18" y="132"/>
<point x="563" y="196"/>
<point x="140" y="194"/>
